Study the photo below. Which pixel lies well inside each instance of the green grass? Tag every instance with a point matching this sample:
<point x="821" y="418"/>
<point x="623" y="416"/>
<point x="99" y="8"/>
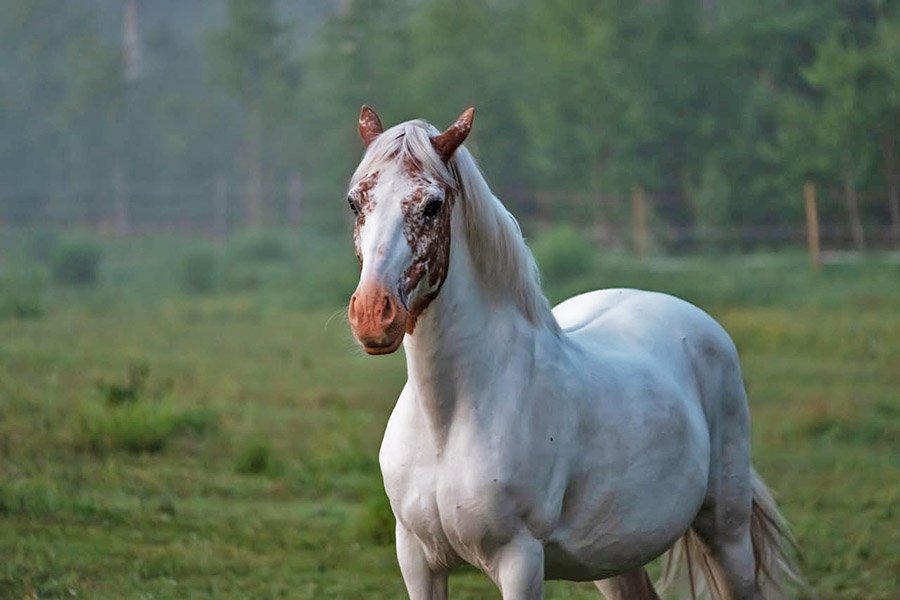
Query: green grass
<point x="244" y="463"/>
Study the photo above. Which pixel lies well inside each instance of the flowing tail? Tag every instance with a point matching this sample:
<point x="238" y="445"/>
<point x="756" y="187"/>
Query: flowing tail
<point x="773" y="548"/>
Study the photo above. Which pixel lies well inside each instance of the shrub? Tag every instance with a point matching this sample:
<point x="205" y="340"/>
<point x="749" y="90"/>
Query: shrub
<point x="134" y="419"/>
<point x="256" y="459"/>
<point x="130" y="391"/>
<point x="237" y="279"/>
<point x="563" y="254"/>
<point x="136" y="427"/>
<point x="197" y="272"/>
<point x="77" y="263"/>
<point x="260" y="246"/>
<point x="140" y="426"/>
<point x="21" y="296"/>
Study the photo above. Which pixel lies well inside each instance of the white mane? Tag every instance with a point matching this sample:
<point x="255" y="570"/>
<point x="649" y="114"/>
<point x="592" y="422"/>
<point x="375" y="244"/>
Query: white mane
<point x="504" y="262"/>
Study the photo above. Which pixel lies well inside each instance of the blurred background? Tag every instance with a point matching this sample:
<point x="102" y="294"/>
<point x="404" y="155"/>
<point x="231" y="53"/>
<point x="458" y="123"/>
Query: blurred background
<point x="182" y="410"/>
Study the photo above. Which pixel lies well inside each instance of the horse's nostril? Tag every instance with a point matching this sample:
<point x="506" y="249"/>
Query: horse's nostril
<point x="351" y="311"/>
<point x="388" y="311"/>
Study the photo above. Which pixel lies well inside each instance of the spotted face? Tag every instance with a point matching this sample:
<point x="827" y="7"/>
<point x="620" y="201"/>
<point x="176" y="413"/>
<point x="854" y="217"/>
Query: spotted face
<point x="402" y="232"/>
<point x="424" y="207"/>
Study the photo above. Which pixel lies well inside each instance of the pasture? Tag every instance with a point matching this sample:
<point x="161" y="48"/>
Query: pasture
<point x="164" y="436"/>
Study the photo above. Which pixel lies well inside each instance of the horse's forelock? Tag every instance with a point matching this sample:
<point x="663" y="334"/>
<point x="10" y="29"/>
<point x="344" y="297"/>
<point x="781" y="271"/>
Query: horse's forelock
<point x="406" y="143"/>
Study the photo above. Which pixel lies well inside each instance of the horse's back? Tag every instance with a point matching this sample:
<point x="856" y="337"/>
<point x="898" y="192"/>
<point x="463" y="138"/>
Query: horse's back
<point x="622" y="312"/>
<point x="672" y="334"/>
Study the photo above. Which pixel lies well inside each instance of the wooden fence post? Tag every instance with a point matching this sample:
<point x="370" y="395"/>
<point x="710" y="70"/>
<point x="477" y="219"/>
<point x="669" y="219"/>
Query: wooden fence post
<point x="812" y="225"/>
<point x="639" y="222"/>
<point x="220" y="208"/>
<point x="121" y="222"/>
<point x="295" y="199"/>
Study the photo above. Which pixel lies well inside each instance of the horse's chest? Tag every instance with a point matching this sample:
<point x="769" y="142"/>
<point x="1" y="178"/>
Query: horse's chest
<point x="457" y="512"/>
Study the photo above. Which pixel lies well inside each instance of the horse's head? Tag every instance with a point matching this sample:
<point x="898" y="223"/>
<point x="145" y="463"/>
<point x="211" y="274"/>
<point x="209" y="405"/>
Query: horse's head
<point x="402" y="195"/>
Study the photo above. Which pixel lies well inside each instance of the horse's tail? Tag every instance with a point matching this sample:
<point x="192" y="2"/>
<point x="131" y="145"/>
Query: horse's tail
<point x="773" y="548"/>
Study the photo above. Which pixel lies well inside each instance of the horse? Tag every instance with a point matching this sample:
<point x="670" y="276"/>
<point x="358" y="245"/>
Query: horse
<point x="578" y="442"/>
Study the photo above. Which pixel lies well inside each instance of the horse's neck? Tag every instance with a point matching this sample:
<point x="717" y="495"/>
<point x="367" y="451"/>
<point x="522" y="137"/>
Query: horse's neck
<point x="461" y="343"/>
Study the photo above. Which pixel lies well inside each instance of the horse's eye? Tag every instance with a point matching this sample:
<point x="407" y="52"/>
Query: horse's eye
<point x="353" y="205"/>
<point x="432" y="208"/>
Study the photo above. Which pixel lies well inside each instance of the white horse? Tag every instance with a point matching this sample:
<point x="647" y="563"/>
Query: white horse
<point x="578" y="443"/>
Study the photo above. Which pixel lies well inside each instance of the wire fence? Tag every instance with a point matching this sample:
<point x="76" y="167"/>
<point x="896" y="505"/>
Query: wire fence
<point x="217" y="207"/>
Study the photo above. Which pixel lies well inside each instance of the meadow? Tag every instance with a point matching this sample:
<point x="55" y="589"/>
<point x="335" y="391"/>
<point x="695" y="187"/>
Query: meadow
<point x="195" y="421"/>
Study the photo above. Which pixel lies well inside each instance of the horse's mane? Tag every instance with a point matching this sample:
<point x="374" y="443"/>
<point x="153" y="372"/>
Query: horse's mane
<point x="503" y="261"/>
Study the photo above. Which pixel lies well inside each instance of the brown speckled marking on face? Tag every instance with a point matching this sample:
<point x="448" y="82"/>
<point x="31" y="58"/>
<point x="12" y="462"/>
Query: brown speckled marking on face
<point x="429" y="239"/>
<point x="365" y="204"/>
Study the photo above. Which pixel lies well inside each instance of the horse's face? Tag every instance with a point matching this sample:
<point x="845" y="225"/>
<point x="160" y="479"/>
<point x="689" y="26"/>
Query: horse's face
<point x="402" y="238"/>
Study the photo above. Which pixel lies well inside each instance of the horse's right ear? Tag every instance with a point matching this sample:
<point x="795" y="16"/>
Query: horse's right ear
<point x="369" y="126"/>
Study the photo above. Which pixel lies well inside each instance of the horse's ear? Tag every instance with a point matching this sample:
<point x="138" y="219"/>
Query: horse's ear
<point x="369" y="126"/>
<point x="447" y="142"/>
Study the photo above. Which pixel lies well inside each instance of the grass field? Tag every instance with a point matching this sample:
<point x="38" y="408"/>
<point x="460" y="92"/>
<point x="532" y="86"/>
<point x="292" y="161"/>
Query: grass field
<point x="161" y="443"/>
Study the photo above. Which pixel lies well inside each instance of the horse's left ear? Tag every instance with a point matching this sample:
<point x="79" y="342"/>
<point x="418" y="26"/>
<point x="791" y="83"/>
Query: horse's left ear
<point x="447" y="142"/>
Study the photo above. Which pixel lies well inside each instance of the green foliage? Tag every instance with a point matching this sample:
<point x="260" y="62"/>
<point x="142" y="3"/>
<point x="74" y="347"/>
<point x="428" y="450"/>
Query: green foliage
<point x="563" y="254"/>
<point x="710" y="199"/>
<point x="256" y="459"/>
<point x="576" y="100"/>
<point x="140" y="426"/>
<point x="198" y="271"/>
<point x="135" y="418"/>
<point x="260" y="247"/>
<point x="77" y="263"/>
<point x="131" y="390"/>
<point x="42" y="243"/>
<point x="250" y="54"/>
<point x="21" y="295"/>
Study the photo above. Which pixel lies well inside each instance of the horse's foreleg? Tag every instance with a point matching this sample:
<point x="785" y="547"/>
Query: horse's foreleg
<point x="634" y="585"/>
<point x="422" y="581"/>
<point x="518" y="569"/>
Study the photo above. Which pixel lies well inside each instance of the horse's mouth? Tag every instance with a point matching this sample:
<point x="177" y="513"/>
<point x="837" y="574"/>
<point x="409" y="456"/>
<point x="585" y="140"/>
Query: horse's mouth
<point x="388" y="348"/>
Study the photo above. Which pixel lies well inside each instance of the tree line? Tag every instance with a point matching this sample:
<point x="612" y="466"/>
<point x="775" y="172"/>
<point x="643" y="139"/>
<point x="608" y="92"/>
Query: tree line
<point x="717" y="110"/>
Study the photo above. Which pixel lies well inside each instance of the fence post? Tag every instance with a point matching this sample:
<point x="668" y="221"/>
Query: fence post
<point x="120" y="198"/>
<point x="639" y="222"/>
<point x="812" y="225"/>
<point x="295" y="199"/>
<point x="220" y="208"/>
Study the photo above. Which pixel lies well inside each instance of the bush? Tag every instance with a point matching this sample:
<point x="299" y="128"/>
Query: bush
<point x="135" y="418"/>
<point x="77" y="263"/>
<point x="563" y="254"/>
<point x="260" y="247"/>
<point x="237" y="279"/>
<point x="197" y="272"/>
<point x="140" y="426"/>
<point x="132" y="390"/>
<point x="21" y="296"/>
<point x="256" y="459"/>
